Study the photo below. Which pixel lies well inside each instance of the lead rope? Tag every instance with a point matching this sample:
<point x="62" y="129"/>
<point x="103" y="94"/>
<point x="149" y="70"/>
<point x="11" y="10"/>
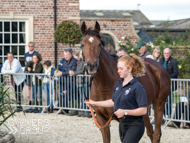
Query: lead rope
<point x="95" y="121"/>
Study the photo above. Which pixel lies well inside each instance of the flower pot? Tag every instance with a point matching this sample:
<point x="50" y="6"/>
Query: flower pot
<point x="6" y="137"/>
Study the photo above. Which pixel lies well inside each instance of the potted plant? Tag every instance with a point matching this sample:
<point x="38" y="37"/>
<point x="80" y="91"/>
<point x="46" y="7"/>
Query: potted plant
<point x="68" y="32"/>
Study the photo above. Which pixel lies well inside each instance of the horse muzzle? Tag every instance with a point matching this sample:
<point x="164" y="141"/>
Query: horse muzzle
<point x="92" y="68"/>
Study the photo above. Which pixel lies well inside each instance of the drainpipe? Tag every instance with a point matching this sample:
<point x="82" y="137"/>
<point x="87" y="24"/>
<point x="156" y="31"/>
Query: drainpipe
<point x="55" y="23"/>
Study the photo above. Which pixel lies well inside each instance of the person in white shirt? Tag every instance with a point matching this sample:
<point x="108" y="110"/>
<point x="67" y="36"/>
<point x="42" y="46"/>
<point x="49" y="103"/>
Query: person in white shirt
<point x="13" y="66"/>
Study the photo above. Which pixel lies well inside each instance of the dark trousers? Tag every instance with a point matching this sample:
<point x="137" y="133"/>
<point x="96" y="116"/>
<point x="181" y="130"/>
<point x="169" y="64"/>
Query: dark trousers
<point x="18" y="90"/>
<point x="180" y="109"/>
<point x="131" y="130"/>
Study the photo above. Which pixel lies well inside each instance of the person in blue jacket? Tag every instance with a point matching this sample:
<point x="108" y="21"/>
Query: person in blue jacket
<point x="70" y="64"/>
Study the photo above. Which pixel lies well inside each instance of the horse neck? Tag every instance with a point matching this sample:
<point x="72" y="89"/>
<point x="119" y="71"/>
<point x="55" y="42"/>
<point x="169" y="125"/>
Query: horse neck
<point x="107" y="70"/>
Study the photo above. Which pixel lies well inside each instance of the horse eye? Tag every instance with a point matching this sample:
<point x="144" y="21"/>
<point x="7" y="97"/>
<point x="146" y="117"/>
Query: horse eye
<point x="100" y="45"/>
<point x="81" y="46"/>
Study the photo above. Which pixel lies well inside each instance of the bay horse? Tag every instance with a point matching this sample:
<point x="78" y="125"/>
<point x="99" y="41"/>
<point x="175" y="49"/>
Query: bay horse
<point x="103" y="67"/>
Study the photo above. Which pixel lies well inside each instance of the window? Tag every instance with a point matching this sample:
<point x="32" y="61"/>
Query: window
<point x="13" y="39"/>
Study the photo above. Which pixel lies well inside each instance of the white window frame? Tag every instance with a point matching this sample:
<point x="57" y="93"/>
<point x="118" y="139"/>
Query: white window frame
<point x="14" y="44"/>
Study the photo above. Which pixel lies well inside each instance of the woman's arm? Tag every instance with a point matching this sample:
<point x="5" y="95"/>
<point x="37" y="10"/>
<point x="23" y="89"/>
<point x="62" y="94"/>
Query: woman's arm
<point x="105" y="103"/>
<point x="28" y="65"/>
<point x="134" y="112"/>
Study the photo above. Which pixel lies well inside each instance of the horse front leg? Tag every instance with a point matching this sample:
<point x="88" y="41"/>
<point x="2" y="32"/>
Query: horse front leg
<point x="105" y="131"/>
<point x="149" y="128"/>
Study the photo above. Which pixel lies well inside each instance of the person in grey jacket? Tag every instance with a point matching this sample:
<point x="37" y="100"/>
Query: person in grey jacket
<point x="12" y="66"/>
<point x="79" y="80"/>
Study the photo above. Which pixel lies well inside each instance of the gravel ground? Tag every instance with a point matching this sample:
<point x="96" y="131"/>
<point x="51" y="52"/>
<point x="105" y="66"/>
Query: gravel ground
<point x="49" y="128"/>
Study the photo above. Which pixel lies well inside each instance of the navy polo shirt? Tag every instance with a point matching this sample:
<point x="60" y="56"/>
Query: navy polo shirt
<point x="130" y="96"/>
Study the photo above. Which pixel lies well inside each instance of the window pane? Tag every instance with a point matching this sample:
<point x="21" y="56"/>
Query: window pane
<point x="7" y="26"/>
<point x="1" y="40"/>
<point x="1" y="27"/>
<point x="7" y="38"/>
<point x="21" y="50"/>
<point x="14" y="27"/>
<point x="5" y="58"/>
<point x="22" y="38"/>
<point x="6" y="50"/>
<point x="14" y="50"/>
<point x="14" y="38"/>
<point x="21" y="59"/>
<point x="22" y="26"/>
<point x="1" y="50"/>
<point x="1" y="60"/>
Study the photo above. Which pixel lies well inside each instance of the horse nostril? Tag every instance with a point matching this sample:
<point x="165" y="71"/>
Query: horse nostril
<point x="95" y="63"/>
<point x="88" y="64"/>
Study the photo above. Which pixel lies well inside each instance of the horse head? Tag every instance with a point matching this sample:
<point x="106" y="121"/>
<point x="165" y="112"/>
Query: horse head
<point x="91" y="45"/>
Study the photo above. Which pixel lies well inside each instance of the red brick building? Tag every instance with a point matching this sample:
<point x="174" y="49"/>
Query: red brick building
<point x="22" y="21"/>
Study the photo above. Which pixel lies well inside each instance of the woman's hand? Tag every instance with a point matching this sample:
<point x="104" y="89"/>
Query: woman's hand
<point x="119" y="113"/>
<point x="90" y="102"/>
<point x="29" y="69"/>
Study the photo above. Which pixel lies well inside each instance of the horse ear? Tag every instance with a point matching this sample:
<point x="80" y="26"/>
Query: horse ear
<point x="97" y="26"/>
<point x="83" y="28"/>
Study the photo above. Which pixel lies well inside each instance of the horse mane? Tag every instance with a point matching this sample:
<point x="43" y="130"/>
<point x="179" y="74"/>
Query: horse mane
<point x="115" y="56"/>
<point x="94" y="32"/>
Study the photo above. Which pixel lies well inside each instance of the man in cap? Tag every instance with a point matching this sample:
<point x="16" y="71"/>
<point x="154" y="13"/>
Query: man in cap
<point x="143" y="52"/>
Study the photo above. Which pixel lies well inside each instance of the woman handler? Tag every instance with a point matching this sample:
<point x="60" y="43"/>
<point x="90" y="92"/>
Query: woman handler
<point x="129" y="99"/>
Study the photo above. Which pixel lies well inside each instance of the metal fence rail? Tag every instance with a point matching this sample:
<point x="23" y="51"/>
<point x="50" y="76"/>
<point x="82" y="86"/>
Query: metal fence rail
<point x="68" y="93"/>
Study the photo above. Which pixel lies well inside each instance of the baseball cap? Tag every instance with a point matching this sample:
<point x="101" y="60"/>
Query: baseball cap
<point x="139" y="44"/>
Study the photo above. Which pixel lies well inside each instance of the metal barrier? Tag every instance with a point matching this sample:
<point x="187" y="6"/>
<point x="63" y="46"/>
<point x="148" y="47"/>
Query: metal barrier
<point x="67" y="93"/>
<point x="29" y="93"/>
<point x="177" y="107"/>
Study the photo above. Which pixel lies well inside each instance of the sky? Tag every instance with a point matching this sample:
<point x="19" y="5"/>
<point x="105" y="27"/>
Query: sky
<point x="152" y="9"/>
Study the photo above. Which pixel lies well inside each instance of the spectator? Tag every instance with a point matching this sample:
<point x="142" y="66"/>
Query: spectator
<point x="121" y="52"/>
<point x="27" y="58"/>
<point x="80" y="70"/>
<point x="47" y="84"/>
<point x="12" y="65"/>
<point x="183" y="107"/>
<point x="69" y="65"/>
<point x="157" y="54"/>
<point x="131" y="108"/>
<point x="76" y="55"/>
<point x="35" y="66"/>
<point x="143" y="52"/>
<point x="171" y="66"/>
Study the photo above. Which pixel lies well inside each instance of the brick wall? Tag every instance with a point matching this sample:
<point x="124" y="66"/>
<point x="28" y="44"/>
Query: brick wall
<point x="43" y="14"/>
